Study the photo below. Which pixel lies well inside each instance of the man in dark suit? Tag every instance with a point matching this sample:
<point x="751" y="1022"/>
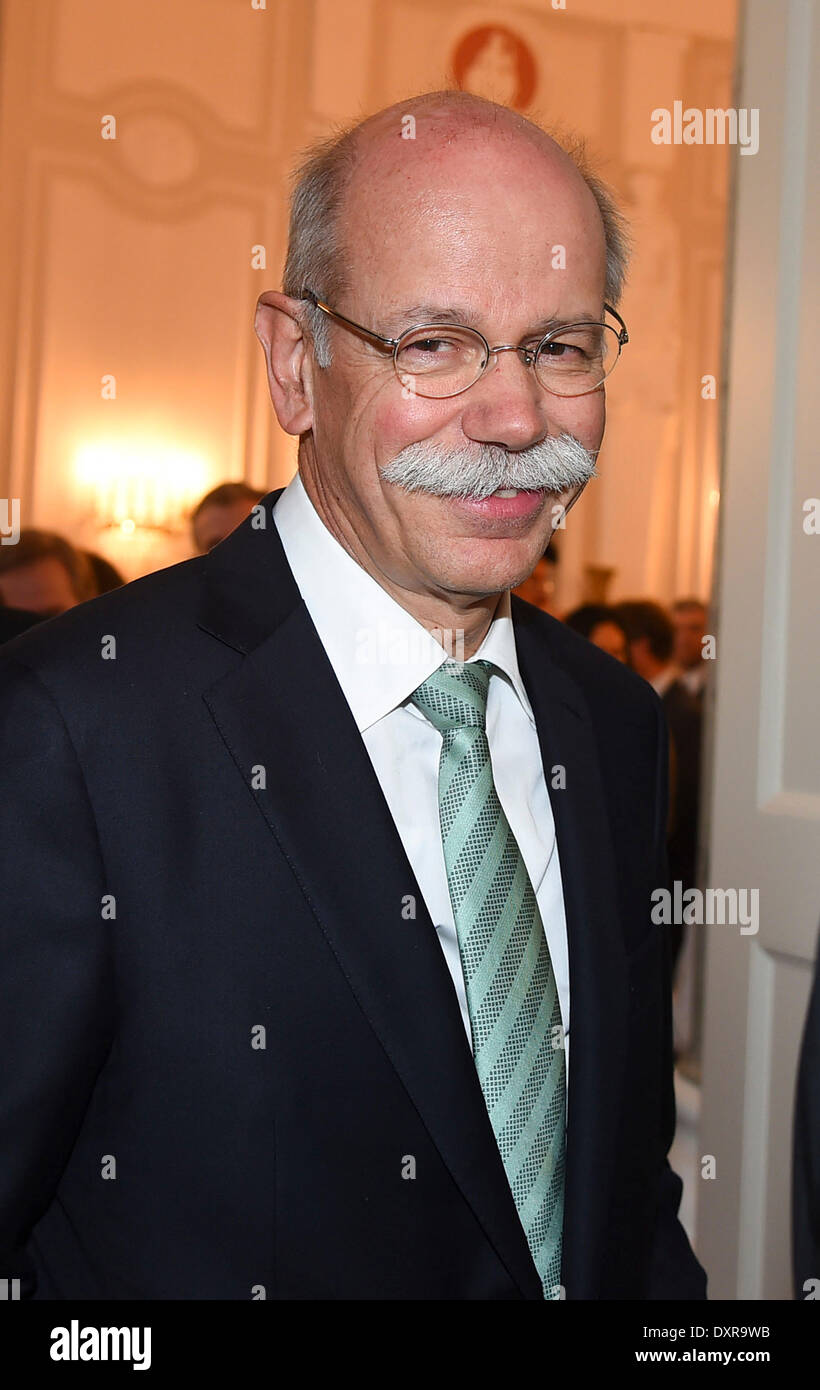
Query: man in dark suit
<point x="806" y="1155"/>
<point x="314" y="839"/>
<point x="651" y="640"/>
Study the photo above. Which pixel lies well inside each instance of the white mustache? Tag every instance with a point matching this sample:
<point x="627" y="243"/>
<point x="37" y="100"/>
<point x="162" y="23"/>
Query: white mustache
<point x="553" y="465"/>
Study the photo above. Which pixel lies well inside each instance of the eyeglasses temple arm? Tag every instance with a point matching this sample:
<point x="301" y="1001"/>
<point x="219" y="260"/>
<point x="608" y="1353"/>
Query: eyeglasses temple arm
<point x="623" y="336"/>
<point x="367" y="333"/>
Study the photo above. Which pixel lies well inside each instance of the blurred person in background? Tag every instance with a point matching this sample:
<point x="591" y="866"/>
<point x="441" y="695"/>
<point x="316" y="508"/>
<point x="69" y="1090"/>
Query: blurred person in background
<point x="651" y="643"/>
<point x="106" y="575"/>
<point x="651" y="640"/>
<point x="599" y="624"/>
<point x="44" y="574"/>
<point x="220" y="511"/>
<point x="806" y="1154"/>
<point x="689" y="617"/>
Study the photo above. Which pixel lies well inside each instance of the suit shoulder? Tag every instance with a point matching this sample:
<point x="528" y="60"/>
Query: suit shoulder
<point x="606" y="683"/>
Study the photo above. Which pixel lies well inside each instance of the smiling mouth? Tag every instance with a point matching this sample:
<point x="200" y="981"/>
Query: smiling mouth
<point x="507" y="505"/>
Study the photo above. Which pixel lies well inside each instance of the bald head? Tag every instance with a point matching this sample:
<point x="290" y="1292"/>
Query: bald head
<point x="468" y="158"/>
<point x="445" y="116"/>
<point x="401" y="156"/>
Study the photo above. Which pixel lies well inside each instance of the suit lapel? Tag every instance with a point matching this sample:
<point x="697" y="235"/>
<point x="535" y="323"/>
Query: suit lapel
<point x="597" y="961"/>
<point x="282" y="708"/>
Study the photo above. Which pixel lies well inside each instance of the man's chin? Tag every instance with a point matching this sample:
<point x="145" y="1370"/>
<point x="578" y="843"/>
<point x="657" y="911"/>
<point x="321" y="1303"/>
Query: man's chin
<point x="475" y="581"/>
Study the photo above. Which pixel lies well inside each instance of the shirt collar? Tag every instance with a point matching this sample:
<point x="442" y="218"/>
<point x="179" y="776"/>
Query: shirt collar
<point x="378" y="651"/>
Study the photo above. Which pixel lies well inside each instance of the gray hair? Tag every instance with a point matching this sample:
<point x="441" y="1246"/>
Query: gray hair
<point x="316" y="256"/>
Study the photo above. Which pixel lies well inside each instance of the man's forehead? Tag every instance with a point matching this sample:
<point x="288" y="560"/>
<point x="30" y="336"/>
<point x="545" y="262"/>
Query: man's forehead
<point x="464" y="219"/>
<point x="461" y="160"/>
<point x="450" y="198"/>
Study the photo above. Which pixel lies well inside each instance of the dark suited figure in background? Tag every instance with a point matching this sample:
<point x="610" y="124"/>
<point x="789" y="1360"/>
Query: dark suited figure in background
<point x="651" y="638"/>
<point x="806" y="1164"/>
<point x="328" y="884"/>
<point x="689" y="617"/>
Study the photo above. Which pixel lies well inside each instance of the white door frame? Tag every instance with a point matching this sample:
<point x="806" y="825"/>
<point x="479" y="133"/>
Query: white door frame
<point x="764" y="811"/>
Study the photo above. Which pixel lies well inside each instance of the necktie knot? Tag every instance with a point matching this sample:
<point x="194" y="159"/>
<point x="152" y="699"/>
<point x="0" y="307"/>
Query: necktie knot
<point x="455" y="696"/>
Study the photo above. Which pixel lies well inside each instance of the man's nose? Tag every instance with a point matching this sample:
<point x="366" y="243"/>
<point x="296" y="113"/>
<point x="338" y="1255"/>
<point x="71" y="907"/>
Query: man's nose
<point x="507" y="406"/>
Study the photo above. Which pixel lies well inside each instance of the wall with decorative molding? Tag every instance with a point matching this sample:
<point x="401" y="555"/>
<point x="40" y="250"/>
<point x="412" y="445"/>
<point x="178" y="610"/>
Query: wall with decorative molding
<point x="133" y="248"/>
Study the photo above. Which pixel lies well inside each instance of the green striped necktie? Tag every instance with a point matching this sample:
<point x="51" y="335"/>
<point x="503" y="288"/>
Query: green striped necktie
<point x="512" y="997"/>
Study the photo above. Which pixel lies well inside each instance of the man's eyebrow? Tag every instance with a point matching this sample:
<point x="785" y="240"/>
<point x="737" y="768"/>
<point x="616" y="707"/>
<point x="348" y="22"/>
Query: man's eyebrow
<point x="402" y="319"/>
<point x="460" y="315"/>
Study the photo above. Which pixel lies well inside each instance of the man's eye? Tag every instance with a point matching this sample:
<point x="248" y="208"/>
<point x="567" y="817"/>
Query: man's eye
<point x="559" y="351"/>
<point x="434" y="347"/>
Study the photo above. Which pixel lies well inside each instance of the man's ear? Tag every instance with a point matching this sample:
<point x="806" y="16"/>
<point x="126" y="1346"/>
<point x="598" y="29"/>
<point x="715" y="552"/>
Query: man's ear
<point x="278" y="327"/>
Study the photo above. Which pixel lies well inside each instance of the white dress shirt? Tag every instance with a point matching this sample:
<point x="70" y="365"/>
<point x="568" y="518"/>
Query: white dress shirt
<point x="380" y="654"/>
<point x="694" y="679"/>
<point x="662" y="681"/>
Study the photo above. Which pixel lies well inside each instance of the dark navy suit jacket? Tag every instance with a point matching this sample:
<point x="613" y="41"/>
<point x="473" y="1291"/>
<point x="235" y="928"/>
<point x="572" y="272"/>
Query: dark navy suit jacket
<point x="209" y="787"/>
